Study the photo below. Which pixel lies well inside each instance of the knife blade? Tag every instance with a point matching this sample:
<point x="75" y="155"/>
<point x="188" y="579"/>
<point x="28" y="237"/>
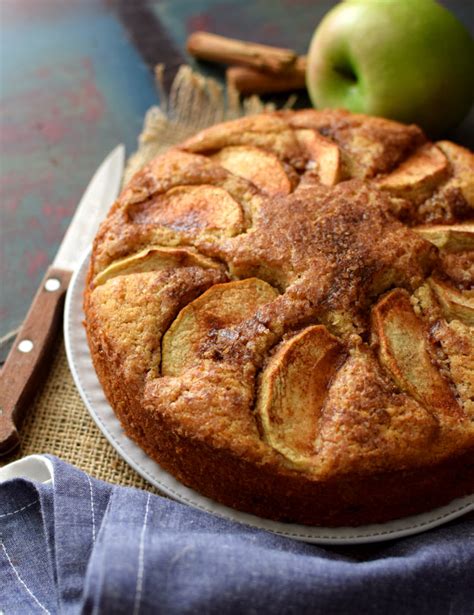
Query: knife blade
<point x="29" y="356"/>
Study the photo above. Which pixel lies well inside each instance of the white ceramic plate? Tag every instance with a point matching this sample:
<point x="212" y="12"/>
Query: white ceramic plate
<point x="94" y="398"/>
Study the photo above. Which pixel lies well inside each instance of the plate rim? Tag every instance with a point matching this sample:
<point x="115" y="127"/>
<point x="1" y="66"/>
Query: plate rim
<point x="81" y="366"/>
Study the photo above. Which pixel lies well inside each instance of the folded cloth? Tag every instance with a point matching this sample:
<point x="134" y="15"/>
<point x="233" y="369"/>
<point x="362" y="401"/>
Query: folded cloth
<point x="79" y="545"/>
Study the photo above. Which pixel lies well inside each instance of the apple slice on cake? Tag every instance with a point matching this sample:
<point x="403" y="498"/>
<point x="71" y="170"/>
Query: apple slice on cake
<point x="418" y="175"/>
<point x="212" y="315"/>
<point x="292" y="391"/>
<point x="260" y="167"/>
<point x="156" y="258"/>
<point x="450" y="237"/>
<point x="193" y="208"/>
<point x="456" y="245"/>
<point x="405" y="352"/>
<point x="462" y="164"/>
<point x="324" y="153"/>
<point x="454" y="304"/>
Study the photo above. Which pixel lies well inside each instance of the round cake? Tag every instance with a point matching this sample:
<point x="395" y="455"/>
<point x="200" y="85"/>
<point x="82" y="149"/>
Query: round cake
<point x="281" y="313"/>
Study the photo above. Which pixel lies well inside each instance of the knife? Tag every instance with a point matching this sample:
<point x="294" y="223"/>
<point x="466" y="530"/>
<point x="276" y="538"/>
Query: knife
<point x="29" y="357"/>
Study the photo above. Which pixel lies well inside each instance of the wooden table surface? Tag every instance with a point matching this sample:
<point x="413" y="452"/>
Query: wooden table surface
<point x="76" y="79"/>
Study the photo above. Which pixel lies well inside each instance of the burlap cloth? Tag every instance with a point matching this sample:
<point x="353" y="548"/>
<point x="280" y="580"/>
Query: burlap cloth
<point x="58" y="421"/>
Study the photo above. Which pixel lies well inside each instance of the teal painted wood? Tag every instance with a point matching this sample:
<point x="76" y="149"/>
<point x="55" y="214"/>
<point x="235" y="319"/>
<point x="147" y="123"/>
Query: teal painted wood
<point x="285" y="23"/>
<point x="72" y="87"/>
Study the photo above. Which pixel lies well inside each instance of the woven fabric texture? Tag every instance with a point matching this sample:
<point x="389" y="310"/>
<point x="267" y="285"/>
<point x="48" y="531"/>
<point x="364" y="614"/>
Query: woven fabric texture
<point x="58" y="421"/>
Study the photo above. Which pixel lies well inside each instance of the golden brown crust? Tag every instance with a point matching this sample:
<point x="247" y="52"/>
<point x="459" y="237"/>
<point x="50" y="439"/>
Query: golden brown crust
<point x="280" y="314"/>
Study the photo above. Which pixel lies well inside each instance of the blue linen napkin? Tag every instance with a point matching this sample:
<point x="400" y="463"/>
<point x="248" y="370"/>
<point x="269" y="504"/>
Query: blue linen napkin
<point x="84" y="546"/>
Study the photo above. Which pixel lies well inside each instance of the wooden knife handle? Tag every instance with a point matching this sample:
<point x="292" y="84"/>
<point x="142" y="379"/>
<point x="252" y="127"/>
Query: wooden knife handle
<point x="29" y="357"/>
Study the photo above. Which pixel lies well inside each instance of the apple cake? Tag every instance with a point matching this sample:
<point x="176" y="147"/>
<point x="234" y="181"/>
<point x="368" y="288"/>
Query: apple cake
<point x="281" y="309"/>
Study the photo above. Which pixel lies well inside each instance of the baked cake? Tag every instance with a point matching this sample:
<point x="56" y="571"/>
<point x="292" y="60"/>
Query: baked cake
<point x="281" y="310"/>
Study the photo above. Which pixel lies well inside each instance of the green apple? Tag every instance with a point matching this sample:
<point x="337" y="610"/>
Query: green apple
<point x="409" y="60"/>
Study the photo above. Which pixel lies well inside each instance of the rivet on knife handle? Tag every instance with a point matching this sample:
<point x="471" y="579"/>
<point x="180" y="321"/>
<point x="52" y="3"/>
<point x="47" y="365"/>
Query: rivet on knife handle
<point x="29" y="357"/>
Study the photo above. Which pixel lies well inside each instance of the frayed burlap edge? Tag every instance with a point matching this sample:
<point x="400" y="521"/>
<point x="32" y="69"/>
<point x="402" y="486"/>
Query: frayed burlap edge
<point x="58" y="422"/>
<point x="194" y="103"/>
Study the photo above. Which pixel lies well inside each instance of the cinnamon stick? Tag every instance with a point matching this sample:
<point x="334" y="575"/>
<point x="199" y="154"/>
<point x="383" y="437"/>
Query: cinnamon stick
<point x="215" y="48"/>
<point x="251" y="81"/>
